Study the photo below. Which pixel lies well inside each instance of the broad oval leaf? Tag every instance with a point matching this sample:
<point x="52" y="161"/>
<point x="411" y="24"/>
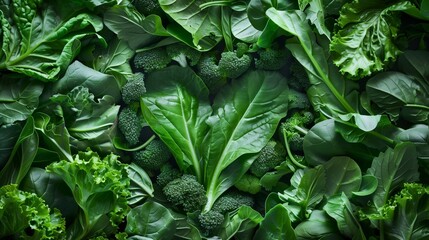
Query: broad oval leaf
<point x="176" y="106"/>
<point x="343" y="175"/>
<point x="151" y="220"/>
<point x="276" y="225"/>
<point x="18" y="99"/>
<point x="399" y="95"/>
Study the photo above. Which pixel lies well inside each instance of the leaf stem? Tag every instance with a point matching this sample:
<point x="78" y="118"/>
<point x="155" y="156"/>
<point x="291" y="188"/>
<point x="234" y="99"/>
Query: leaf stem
<point x="290" y="154"/>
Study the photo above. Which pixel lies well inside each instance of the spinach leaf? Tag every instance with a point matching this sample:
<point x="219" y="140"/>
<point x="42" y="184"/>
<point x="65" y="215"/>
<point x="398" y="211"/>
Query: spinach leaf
<point x="134" y="28"/>
<point x="204" y="25"/>
<point x="140" y="184"/>
<point x="329" y="91"/>
<point x="8" y="136"/>
<point x="176" y="110"/>
<point x="340" y="208"/>
<point x="399" y="95"/>
<point x="19" y="98"/>
<point x="151" y="220"/>
<point x="242" y="124"/>
<point x="22" y="155"/>
<point x="41" y="40"/>
<point x="393" y="168"/>
<point x="276" y="225"/>
<point x="77" y="74"/>
<point x="243" y="220"/>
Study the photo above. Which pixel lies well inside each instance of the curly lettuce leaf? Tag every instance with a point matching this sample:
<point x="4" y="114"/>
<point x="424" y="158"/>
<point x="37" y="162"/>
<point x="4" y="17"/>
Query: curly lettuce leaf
<point x="99" y="187"/>
<point x="40" y="40"/>
<point x="26" y="216"/>
<point x="365" y="41"/>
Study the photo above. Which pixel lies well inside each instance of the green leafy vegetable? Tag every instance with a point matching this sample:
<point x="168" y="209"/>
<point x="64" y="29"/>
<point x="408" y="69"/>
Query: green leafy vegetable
<point x="41" y="40"/>
<point x="365" y="42"/>
<point x="25" y="215"/>
<point x="99" y="187"/>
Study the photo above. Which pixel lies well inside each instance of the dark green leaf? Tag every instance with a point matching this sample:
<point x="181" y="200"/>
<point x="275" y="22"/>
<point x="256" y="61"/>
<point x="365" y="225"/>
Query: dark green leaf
<point x="392" y="168"/>
<point x="18" y="99"/>
<point x="140" y="184"/>
<point x="343" y="175"/>
<point x="276" y="225"/>
<point x="151" y="220"/>
<point x="22" y="155"/>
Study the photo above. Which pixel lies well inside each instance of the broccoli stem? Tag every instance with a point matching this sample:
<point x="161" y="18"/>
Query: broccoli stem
<point x="138" y="147"/>
<point x="289" y="152"/>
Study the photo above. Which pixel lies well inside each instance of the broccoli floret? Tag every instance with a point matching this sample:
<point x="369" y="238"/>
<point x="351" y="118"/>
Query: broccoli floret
<point x="183" y="54"/>
<point x="153" y="157"/>
<point x="293" y="130"/>
<point x="271" y="156"/>
<point x="248" y="183"/>
<point x="147" y="7"/>
<point x="151" y="60"/>
<point x="130" y="126"/>
<point x="231" y="65"/>
<point x="274" y="58"/>
<point x="299" y="79"/>
<point x="298" y="100"/>
<point x="231" y="201"/>
<point x="210" y="221"/>
<point x="209" y="72"/>
<point x="167" y="174"/>
<point x="186" y="193"/>
<point x="133" y="89"/>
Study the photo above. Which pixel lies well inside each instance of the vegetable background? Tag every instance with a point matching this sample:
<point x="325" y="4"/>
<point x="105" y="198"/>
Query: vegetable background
<point x="230" y="119"/>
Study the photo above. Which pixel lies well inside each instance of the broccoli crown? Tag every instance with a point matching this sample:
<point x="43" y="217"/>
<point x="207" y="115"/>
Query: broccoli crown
<point x="271" y="155"/>
<point x="167" y="174"/>
<point x="181" y="53"/>
<point x="232" y="66"/>
<point x="271" y="58"/>
<point x="147" y="7"/>
<point x="186" y="192"/>
<point x="133" y="89"/>
<point x="209" y="72"/>
<point x="294" y="128"/>
<point x="151" y="60"/>
<point x="297" y="121"/>
<point x="299" y="80"/>
<point x="210" y="221"/>
<point x="296" y="142"/>
<point x="231" y="201"/>
<point x="248" y="183"/>
<point x="153" y="157"/>
<point x="130" y="126"/>
<point x="298" y="100"/>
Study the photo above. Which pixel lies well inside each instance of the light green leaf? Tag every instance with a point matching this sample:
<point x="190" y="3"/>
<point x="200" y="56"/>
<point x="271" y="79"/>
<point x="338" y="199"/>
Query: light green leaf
<point x="176" y="106"/>
<point x="365" y="41"/>
<point x="246" y="114"/>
